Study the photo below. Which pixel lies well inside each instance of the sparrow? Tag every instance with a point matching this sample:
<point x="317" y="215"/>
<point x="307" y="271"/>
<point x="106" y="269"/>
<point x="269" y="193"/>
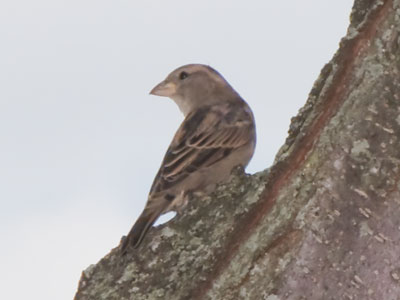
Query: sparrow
<point x="217" y="134"/>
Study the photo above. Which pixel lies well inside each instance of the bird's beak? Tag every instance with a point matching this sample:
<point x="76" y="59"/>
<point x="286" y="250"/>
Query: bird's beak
<point x="164" y="88"/>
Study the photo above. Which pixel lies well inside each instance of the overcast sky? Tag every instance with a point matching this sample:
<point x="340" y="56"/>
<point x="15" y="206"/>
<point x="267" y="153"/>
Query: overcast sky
<point x="81" y="139"/>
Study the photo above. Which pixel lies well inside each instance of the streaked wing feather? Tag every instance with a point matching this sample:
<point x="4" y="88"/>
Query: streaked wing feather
<point x="200" y="145"/>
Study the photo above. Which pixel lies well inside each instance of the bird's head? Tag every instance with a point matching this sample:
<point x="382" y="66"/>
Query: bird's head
<point x="192" y="86"/>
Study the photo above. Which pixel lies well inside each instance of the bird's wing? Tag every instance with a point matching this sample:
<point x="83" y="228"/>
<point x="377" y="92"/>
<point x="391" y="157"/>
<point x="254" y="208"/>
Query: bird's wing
<point x="204" y="138"/>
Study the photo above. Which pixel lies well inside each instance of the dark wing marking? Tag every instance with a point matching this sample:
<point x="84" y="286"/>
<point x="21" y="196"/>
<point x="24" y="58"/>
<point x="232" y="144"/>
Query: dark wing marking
<point x="204" y="138"/>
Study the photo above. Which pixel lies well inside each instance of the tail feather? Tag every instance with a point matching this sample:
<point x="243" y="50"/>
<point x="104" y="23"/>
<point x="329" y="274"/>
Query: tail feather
<point x="139" y="230"/>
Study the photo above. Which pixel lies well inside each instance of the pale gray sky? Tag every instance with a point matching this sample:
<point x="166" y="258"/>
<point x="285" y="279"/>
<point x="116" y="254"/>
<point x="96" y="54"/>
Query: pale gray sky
<point x="81" y="139"/>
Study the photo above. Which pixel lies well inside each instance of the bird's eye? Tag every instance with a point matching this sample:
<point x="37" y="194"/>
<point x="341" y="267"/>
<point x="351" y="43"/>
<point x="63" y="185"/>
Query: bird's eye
<point x="183" y="75"/>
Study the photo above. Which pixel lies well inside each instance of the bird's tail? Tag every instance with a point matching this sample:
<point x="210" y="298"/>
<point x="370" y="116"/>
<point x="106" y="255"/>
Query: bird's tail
<point x="140" y="228"/>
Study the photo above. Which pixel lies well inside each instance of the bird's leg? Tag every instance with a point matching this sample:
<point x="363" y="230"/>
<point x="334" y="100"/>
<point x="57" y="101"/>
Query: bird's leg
<point x="181" y="202"/>
<point x="238" y="170"/>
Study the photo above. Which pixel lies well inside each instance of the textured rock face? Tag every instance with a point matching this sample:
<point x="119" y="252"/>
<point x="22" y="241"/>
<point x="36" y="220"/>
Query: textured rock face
<point x="323" y="223"/>
<point x="190" y="247"/>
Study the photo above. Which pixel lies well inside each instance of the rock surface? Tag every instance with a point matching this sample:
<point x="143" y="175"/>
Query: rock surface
<point x="322" y="223"/>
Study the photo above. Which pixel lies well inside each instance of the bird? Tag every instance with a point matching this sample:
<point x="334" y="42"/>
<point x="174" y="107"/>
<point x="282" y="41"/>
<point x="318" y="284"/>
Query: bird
<point x="218" y="134"/>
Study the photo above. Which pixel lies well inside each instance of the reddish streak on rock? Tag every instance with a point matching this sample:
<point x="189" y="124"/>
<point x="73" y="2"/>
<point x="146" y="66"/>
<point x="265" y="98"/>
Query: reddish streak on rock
<point x="281" y="173"/>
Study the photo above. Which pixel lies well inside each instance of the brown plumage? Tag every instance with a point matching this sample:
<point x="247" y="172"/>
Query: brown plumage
<point x="217" y="134"/>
